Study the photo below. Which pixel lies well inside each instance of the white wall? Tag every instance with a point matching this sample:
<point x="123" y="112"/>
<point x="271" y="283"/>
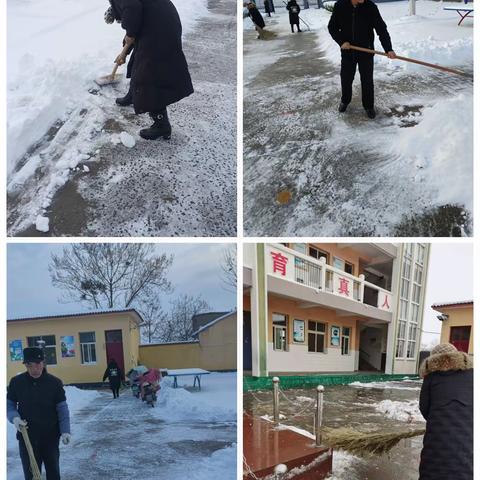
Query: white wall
<point x="405" y="367"/>
<point x="298" y="359"/>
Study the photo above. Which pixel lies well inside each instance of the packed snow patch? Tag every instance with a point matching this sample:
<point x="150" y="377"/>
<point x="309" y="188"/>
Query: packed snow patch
<point x="42" y="224"/>
<point x="404" y="411"/>
<point x="383" y="385"/>
<point x="127" y="140"/>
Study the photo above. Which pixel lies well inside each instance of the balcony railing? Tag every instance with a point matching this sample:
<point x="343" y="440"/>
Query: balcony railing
<point x="299" y="268"/>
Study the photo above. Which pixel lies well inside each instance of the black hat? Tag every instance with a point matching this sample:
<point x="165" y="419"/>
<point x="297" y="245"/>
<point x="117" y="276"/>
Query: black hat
<point x="33" y="354"/>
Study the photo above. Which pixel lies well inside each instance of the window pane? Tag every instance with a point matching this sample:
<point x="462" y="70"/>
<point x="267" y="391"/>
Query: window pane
<point x="320" y="327"/>
<point x="113" y="336"/>
<point x="87" y="337"/>
<point x="311" y="342"/>
<point x="311" y="325"/>
<point x="277" y="318"/>
<point x="320" y="343"/>
<point x="346" y="331"/>
<point x="93" y="353"/>
<point x="50" y="355"/>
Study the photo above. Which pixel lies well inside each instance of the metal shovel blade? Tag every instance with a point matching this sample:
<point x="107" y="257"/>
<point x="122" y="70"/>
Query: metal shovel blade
<point x="108" y="79"/>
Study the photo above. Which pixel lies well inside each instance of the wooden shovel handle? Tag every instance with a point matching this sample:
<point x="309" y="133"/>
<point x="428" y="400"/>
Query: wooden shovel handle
<point x="123" y="52"/>
<point x="411" y="60"/>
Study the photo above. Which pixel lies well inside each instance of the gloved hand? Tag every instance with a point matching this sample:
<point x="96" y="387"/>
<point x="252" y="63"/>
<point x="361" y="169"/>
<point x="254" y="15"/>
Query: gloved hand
<point x="109" y="16"/>
<point x="18" y="422"/>
<point x="66" y="437"/>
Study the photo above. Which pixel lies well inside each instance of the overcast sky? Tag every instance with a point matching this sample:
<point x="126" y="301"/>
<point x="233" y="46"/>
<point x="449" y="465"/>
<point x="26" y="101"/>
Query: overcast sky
<point x="195" y="270"/>
<point x="450" y="279"/>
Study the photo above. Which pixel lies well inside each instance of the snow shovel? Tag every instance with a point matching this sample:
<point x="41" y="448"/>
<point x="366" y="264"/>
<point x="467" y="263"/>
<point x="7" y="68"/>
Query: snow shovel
<point x="36" y="475"/>
<point x="411" y="60"/>
<point x="113" y="77"/>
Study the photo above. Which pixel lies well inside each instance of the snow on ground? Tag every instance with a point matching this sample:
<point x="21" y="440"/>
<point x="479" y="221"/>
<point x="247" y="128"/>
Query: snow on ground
<point x="55" y="49"/>
<point x="386" y="385"/>
<point x="348" y="175"/>
<point x="405" y="411"/>
<point x="189" y="434"/>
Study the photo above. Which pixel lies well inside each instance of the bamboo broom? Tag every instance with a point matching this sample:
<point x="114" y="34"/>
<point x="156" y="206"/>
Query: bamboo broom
<point x="411" y="60"/>
<point x="33" y="461"/>
<point x="365" y="443"/>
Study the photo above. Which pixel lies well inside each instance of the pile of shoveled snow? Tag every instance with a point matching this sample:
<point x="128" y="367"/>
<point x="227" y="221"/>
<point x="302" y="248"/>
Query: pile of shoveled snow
<point x="215" y="402"/>
<point x="404" y="411"/>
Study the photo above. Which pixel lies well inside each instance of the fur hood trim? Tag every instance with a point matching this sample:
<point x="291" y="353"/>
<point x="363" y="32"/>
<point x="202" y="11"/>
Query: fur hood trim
<point x="446" y="362"/>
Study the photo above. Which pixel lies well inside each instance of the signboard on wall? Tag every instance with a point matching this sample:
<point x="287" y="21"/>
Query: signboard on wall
<point x="279" y="263"/>
<point x="67" y="345"/>
<point x="335" y="336"/>
<point x="299" y="331"/>
<point x="16" y="351"/>
<point x="343" y="285"/>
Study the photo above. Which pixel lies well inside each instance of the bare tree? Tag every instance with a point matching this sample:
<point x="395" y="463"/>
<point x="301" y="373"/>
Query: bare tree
<point x="154" y="319"/>
<point x="178" y="326"/>
<point x="228" y="266"/>
<point x="108" y="275"/>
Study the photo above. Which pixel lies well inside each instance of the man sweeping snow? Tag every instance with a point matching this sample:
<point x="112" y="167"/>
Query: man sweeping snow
<point x="36" y="400"/>
<point x="353" y="23"/>
<point x="157" y="68"/>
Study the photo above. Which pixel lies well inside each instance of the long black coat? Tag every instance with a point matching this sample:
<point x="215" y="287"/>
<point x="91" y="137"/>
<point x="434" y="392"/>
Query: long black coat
<point x="256" y="17"/>
<point x="159" y="73"/>
<point x="114" y="375"/>
<point x="36" y="400"/>
<point x="356" y="25"/>
<point x="293" y="12"/>
<point x="446" y="402"/>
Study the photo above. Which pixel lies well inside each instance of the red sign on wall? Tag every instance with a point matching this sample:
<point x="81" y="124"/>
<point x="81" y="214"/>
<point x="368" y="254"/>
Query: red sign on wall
<point x="279" y="263"/>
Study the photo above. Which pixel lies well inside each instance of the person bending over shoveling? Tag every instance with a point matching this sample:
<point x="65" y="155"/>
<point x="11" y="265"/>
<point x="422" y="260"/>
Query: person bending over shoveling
<point x="257" y="19"/>
<point x="353" y="23"/>
<point x="157" y="68"/>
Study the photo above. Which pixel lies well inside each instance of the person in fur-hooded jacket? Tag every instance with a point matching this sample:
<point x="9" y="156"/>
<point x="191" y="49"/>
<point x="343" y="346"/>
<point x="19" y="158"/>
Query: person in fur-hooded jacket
<point x="446" y="403"/>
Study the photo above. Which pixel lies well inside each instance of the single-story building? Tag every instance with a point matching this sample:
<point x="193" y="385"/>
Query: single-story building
<point x="77" y="347"/>
<point x="457" y="324"/>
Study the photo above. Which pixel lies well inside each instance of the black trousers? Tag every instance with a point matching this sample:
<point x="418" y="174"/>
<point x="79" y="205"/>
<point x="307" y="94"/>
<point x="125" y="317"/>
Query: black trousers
<point x="116" y="390"/>
<point x="350" y="60"/>
<point x="297" y="25"/>
<point x="47" y="454"/>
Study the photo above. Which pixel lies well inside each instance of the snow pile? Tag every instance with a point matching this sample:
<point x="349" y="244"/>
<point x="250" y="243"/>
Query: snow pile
<point x="221" y="464"/>
<point x="42" y="224"/>
<point x="127" y="140"/>
<point x="217" y="401"/>
<point x="384" y="385"/>
<point x="404" y="411"/>
<point x="52" y="61"/>
<point x="345" y="465"/>
<point x="438" y="150"/>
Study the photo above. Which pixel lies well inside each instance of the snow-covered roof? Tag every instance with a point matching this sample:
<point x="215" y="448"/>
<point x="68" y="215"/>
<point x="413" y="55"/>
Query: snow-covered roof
<point x="74" y="315"/>
<point x="452" y="304"/>
<point x="213" y="322"/>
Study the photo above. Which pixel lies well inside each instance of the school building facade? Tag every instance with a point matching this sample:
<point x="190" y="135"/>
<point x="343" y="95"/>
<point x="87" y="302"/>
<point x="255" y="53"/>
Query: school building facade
<point x="333" y="307"/>
<point x="76" y="347"/>
<point x="457" y="324"/>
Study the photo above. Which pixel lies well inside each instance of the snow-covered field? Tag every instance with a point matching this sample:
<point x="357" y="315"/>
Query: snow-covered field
<point x="189" y="434"/>
<point x="76" y="164"/>
<point x="348" y="175"/>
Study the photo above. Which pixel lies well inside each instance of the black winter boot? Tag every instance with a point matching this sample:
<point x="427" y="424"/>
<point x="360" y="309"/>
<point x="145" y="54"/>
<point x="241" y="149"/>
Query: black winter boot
<point x="126" y="100"/>
<point x="161" y="127"/>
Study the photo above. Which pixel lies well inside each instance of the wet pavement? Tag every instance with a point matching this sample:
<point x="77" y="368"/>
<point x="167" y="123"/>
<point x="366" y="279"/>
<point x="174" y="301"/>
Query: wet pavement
<point x="343" y="175"/>
<point x="182" y="187"/>
<point x="364" y="408"/>
<point x="124" y="439"/>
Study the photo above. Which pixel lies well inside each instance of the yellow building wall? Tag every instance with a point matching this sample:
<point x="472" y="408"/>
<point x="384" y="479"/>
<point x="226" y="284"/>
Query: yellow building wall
<point x="71" y="370"/>
<point x="457" y="317"/>
<point x="218" y="345"/>
<point x="173" y="356"/>
<point x="290" y="308"/>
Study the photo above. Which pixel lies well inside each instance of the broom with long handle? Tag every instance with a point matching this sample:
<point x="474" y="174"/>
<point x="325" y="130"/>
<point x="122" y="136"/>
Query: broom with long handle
<point x="33" y="461"/>
<point x="410" y="60"/>
<point x="365" y="443"/>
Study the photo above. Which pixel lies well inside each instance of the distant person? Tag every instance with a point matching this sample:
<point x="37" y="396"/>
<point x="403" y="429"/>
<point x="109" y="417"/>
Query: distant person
<point x="157" y="67"/>
<point x="257" y="18"/>
<point x="36" y="400"/>
<point x="294" y="14"/>
<point x="115" y="377"/>
<point x="268" y="11"/>
<point x="446" y="403"/>
<point x="353" y="23"/>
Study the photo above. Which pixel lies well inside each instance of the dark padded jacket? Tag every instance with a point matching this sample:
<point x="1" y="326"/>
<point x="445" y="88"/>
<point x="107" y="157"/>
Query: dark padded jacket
<point x="356" y="25"/>
<point x="159" y="71"/>
<point x="256" y="17"/>
<point x="446" y="402"/>
<point x="36" y="400"/>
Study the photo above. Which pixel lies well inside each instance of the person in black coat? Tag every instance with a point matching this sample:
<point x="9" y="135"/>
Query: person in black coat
<point x="268" y="10"/>
<point x="157" y="68"/>
<point x="256" y="17"/>
<point x="446" y="403"/>
<point x="293" y="13"/>
<point x="36" y="400"/>
<point x="115" y="377"/>
<point x="353" y="23"/>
